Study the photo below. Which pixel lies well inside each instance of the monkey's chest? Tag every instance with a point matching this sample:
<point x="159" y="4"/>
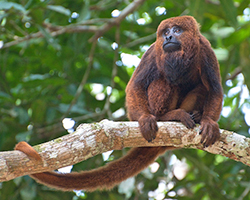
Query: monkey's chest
<point x="162" y="97"/>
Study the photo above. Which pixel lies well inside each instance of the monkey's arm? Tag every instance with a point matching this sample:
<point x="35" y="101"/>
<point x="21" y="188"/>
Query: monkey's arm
<point x="136" y="90"/>
<point x="137" y="108"/>
<point x="136" y="95"/>
<point x="210" y="76"/>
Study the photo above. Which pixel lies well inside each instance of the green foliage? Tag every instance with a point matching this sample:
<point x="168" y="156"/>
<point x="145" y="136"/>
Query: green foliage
<point x="44" y="56"/>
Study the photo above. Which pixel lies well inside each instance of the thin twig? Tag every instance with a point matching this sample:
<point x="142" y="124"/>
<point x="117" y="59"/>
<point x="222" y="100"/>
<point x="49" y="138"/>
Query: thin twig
<point x="115" y="21"/>
<point x="73" y="28"/>
<point x="114" y="72"/>
<point x="244" y="194"/>
<point x="140" y="40"/>
<point x="39" y="34"/>
<point x="84" y="79"/>
<point x="234" y="74"/>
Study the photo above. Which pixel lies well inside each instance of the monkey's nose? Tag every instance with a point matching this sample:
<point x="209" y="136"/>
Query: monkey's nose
<point x="169" y="37"/>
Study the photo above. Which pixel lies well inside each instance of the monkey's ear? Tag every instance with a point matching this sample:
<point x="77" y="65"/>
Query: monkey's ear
<point x="210" y="74"/>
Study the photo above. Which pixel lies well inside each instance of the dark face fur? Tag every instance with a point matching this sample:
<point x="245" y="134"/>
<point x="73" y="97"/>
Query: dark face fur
<point x="171" y="43"/>
<point x="178" y="46"/>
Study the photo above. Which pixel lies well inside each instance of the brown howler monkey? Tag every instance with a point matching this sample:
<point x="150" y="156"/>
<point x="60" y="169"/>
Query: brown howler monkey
<point x="177" y="79"/>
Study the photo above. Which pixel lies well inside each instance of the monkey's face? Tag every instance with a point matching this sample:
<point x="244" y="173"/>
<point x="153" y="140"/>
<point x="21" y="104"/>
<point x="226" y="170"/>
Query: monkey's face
<point x="171" y="42"/>
<point x="177" y="36"/>
<point x="177" y="47"/>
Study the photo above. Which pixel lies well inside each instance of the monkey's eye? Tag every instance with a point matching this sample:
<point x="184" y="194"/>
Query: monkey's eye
<point x="177" y="30"/>
<point x="166" y="32"/>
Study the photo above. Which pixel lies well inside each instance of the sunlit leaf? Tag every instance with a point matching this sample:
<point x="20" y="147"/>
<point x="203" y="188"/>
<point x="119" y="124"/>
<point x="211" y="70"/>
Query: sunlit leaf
<point x="59" y="9"/>
<point x="230" y="11"/>
<point x="4" y="5"/>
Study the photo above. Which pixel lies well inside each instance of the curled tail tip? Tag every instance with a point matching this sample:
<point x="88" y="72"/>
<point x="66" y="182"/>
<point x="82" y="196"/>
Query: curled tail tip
<point x="28" y="150"/>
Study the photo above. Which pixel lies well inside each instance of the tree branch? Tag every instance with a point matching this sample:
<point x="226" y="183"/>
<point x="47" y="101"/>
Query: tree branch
<point x="95" y="138"/>
<point x="84" y="27"/>
<point x="116" y="21"/>
<point x="56" y="30"/>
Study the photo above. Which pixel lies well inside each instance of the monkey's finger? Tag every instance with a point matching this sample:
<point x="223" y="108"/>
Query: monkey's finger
<point x="209" y="138"/>
<point x="215" y="135"/>
<point x="203" y="131"/>
<point x="212" y="134"/>
<point x="196" y="116"/>
<point x="188" y="122"/>
<point x="148" y="127"/>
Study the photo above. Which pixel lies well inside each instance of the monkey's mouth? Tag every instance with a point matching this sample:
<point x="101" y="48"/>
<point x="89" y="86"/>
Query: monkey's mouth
<point x="171" y="46"/>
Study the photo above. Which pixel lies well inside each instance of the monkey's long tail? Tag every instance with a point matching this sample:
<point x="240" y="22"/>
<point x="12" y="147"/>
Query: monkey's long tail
<point x="104" y="177"/>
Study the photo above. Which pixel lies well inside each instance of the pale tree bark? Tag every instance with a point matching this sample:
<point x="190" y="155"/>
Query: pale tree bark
<point x="95" y="138"/>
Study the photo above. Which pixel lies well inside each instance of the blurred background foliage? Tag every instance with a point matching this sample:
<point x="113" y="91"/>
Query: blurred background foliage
<point x="51" y="70"/>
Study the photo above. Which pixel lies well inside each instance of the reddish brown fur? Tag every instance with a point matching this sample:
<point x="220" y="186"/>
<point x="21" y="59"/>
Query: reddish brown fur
<point x="173" y="86"/>
<point x="101" y="178"/>
<point x="28" y="150"/>
<point x="182" y="85"/>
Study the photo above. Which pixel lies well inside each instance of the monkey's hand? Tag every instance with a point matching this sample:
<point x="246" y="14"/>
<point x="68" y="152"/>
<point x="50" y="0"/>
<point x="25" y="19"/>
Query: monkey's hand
<point x="148" y="126"/>
<point x="179" y="115"/>
<point x="209" y="131"/>
<point x="196" y="116"/>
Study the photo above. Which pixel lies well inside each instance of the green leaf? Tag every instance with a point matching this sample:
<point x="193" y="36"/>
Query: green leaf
<point x="39" y="108"/>
<point x="22" y="115"/>
<point x="28" y="192"/>
<point x="238" y="36"/>
<point x="229" y="11"/>
<point x="197" y="8"/>
<point x="51" y="40"/>
<point x="32" y="77"/>
<point x="8" y="5"/>
<point x="60" y="9"/>
<point x="85" y="12"/>
<point x="23" y="136"/>
<point x="4" y="95"/>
